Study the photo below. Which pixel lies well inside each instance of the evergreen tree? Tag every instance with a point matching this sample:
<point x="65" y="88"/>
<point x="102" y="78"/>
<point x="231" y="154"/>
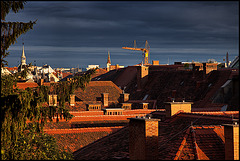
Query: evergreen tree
<point x="10" y="31"/>
<point x="24" y="112"/>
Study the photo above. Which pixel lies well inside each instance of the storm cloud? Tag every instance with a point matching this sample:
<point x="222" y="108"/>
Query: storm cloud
<point x="78" y="33"/>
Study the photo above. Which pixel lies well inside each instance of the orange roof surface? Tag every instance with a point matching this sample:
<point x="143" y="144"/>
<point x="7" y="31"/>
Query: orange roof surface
<point x="178" y="137"/>
<point x="72" y="134"/>
<point x="208" y="140"/>
<point x="99" y="71"/>
<point x="12" y="68"/>
<point x="94" y="89"/>
<point x="24" y="85"/>
<point x="65" y="74"/>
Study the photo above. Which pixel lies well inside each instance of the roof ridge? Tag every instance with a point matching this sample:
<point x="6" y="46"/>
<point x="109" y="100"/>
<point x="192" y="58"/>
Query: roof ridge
<point x="79" y="130"/>
<point x="213" y="113"/>
<point x="104" y="83"/>
<point x="195" y="144"/>
<point x="182" y="145"/>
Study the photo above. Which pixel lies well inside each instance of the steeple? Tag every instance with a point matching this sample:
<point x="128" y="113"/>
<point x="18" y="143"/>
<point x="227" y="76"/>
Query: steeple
<point x="108" y="62"/>
<point x="227" y="61"/>
<point x="23" y="58"/>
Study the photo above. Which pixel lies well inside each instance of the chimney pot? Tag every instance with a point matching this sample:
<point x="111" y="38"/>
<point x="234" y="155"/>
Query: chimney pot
<point x="124" y="97"/>
<point x="72" y="99"/>
<point x="105" y="98"/>
<point x="52" y="100"/>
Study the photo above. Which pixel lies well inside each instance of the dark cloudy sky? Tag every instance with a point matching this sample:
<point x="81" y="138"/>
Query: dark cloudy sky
<point x="79" y="33"/>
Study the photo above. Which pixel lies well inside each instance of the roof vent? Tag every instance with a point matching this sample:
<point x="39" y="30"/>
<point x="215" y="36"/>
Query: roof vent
<point x="235" y="121"/>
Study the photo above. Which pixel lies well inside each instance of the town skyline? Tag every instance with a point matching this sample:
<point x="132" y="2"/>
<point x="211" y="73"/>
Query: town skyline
<point x="79" y="33"/>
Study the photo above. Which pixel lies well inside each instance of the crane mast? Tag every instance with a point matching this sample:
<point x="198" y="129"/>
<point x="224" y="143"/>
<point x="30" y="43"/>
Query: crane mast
<point x="144" y="50"/>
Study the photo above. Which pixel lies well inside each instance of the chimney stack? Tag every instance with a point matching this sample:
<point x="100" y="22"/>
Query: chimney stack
<point x="231" y="134"/>
<point x="52" y="100"/>
<point x="105" y="99"/>
<point x="142" y="76"/>
<point x="124" y="97"/>
<point x="143" y="139"/>
<point x="72" y="99"/>
<point x="41" y="82"/>
<point x="144" y="105"/>
<point x="173" y="107"/>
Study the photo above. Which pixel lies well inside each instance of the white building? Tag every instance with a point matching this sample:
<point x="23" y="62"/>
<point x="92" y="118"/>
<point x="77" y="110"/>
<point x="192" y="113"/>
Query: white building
<point x="92" y="67"/>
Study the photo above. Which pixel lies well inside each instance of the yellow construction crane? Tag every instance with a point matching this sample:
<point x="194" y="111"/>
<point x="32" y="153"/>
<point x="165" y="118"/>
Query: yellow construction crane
<point x="145" y="51"/>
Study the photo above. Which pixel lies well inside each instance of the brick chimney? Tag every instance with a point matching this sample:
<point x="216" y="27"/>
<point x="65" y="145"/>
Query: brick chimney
<point x="231" y="134"/>
<point x="41" y="82"/>
<point x="174" y="107"/>
<point x="142" y="76"/>
<point x="144" y="105"/>
<point x="155" y="62"/>
<point x="105" y="97"/>
<point x="52" y="100"/>
<point x="126" y="106"/>
<point x="143" y="139"/>
<point x="124" y="97"/>
<point x="72" y="99"/>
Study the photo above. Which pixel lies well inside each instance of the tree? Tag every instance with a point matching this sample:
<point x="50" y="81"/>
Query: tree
<point x="10" y="31"/>
<point x="21" y="139"/>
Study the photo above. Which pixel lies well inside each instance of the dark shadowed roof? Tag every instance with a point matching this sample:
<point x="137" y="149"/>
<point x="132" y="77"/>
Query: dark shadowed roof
<point x="190" y="85"/>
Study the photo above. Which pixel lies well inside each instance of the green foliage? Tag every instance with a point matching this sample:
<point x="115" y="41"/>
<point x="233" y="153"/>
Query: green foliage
<point x="18" y="106"/>
<point x="35" y="146"/>
<point x="6" y="6"/>
<point x="186" y="65"/>
<point x="21" y="139"/>
<point x="65" y="88"/>
<point x="10" y="31"/>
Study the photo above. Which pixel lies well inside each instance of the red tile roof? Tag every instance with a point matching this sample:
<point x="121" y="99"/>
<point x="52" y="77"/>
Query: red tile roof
<point x="175" y="138"/>
<point x="94" y="89"/>
<point x="65" y="74"/>
<point x="82" y="130"/>
<point x="66" y="132"/>
<point x="12" y="68"/>
<point x="99" y="72"/>
<point x="24" y="85"/>
<point x="208" y="143"/>
<point x="73" y="141"/>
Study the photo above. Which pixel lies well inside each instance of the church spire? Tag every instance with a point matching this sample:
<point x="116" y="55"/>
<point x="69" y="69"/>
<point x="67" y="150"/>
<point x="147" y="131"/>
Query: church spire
<point x="108" y="61"/>
<point x="23" y="58"/>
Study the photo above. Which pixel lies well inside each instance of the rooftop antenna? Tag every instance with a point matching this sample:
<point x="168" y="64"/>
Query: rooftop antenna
<point x="124" y="89"/>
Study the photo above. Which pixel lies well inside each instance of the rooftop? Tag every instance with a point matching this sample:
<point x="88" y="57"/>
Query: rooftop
<point x="173" y="139"/>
